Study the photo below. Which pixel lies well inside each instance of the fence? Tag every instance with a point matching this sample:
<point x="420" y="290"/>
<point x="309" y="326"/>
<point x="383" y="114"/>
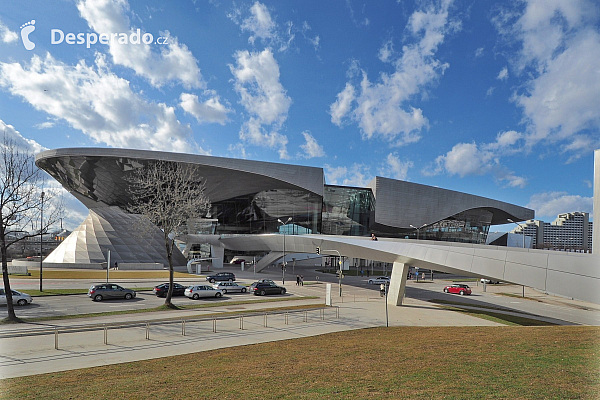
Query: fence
<point x="183" y="322"/>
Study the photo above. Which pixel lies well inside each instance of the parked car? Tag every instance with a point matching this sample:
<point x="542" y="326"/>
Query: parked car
<point x="227" y="287"/>
<point x="458" y="288"/>
<point x="264" y="288"/>
<point x="221" y="277"/>
<point x="195" y="292"/>
<point x="103" y="291"/>
<point x="18" y="298"/>
<point x="489" y="281"/>
<point x="162" y="289"/>
<point x="379" y="280"/>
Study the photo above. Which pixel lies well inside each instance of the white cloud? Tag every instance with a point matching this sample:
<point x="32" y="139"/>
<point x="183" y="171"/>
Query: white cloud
<point x="395" y="168"/>
<point x="315" y="40"/>
<point x="382" y="108"/>
<point x="357" y="175"/>
<point x="342" y="105"/>
<point x="473" y="159"/>
<point x="256" y="80"/>
<point x="259" y="23"/>
<point x="479" y="52"/>
<point x="97" y="102"/>
<point x="45" y="125"/>
<point x="386" y="51"/>
<point x="210" y="110"/>
<point x="6" y="35"/>
<point x="237" y="150"/>
<point x="21" y="142"/>
<point x="503" y="74"/>
<point x="173" y="62"/>
<point x="550" y="204"/>
<point x="311" y="148"/>
<point x="490" y="91"/>
<point x="558" y="55"/>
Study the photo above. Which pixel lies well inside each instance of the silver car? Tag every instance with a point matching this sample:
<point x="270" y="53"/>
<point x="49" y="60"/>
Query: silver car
<point x="103" y="291"/>
<point x="379" y="280"/>
<point x="195" y="292"/>
<point x="230" y="287"/>
<point x="19" y="298"/>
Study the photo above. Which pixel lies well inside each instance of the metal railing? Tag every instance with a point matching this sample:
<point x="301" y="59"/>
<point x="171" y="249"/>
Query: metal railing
<point x="146" y="324"/>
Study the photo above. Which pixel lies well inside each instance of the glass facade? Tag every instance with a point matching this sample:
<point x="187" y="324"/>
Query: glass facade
<point x="347" y="210"/>
<point x="470" y="226"/>
<point x="258" y="212"/>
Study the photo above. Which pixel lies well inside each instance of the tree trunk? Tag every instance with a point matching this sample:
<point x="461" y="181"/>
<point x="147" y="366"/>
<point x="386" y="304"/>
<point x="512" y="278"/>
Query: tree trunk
<point x="169" y="258"/>
<point x="9" y="303"/>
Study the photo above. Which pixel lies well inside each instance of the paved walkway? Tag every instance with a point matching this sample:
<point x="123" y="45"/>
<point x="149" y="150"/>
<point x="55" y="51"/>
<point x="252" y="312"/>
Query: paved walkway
<point x="362" y="308"/>
<point x="30" y="355"/>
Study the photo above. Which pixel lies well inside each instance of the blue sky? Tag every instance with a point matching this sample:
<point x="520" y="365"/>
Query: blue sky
<point x="498" y="99"/>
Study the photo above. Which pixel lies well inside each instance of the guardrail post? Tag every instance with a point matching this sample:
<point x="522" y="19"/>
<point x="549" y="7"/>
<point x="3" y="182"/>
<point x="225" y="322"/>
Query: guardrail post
<point x="105" y="334"/>
<point x="337" y="312"/>
<point x="214" y="325"/>
<point x="265" y="320"/>
<point x="241" y="322"/>
<point x="305" y="316"/>
<point x="56" y="338"/>
<point x="182" y="327"/>
<point x="355" y="298"/>
<point x="287" y="318"/>
<point x="147" y="330"/>
<point x="322" y="312"/>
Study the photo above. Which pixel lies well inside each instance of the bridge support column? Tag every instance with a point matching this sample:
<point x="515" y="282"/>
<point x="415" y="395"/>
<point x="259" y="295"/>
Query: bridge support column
<point x="397" y="284"/>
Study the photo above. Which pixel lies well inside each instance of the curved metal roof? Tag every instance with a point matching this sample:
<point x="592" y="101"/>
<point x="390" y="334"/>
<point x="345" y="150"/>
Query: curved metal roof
<point x="95" y="175"/>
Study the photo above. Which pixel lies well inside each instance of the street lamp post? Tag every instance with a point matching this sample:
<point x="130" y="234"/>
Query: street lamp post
<point x="283" y="224"/>
<point x="418" y="229"/>
<point x="41" y="237"/>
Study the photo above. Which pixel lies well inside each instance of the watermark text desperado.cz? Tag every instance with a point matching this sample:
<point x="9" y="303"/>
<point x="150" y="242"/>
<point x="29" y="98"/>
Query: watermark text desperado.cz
<point x="57" y="36"/>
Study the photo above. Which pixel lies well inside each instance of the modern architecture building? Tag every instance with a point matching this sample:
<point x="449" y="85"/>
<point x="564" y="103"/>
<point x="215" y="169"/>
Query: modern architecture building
<point x="249" y="197"/>
<point x="568" y="232"/>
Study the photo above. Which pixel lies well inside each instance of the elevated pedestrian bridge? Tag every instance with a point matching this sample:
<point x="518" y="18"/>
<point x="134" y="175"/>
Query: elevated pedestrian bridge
<point x="573" y="275"/>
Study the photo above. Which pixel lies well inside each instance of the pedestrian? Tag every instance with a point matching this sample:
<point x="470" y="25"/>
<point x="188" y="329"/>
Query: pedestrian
<point x="382" y="290"/>
<point x="297" y="280"/>
<point x="116" y="265"/>
<point x="362" y="273"/>
<point x="367" y="272"/>
<point x="302" y="280"/>
<point x="373" y="237"/>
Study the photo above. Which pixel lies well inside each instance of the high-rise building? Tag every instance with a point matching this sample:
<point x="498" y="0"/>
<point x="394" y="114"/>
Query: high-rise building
<point x="568" y="232"/>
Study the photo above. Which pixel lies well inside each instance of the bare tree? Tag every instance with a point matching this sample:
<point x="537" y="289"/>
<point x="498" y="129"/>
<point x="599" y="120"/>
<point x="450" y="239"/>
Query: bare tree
<point x="21" y="201"/>
<point x="168" y="194"/>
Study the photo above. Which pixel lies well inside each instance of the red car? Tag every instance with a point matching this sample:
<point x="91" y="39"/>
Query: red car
<point x="458" y="288"/>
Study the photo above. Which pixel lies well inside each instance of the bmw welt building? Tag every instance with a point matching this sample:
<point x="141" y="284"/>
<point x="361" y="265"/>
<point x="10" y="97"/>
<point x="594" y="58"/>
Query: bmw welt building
<point x="249" y="197"/>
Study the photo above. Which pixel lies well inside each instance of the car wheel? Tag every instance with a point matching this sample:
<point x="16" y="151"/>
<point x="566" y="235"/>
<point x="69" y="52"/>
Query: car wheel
<point x="243" y="290"/>
<point x="21" y="302"/>
<point x="217" y="295"/>
<point x="98" y="297"/>
<point x="212" y="281"/>
<point x="230" y="280"/>
<point x="370" y="282"/>
<point x="282" y="291"/>
<point x="195" y="296"/>
<point x="445" y="290"/>
<point x="462" y="292"/>
<point x="262" y="292"/>
<point x="128" y="296"/>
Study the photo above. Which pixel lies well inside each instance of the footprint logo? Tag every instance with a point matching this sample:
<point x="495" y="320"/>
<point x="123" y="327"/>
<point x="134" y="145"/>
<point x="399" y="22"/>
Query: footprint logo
<point x="26" y="29"/>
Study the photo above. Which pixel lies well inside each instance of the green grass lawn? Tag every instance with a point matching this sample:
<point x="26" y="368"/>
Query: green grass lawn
<point x="558" y="362"/>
